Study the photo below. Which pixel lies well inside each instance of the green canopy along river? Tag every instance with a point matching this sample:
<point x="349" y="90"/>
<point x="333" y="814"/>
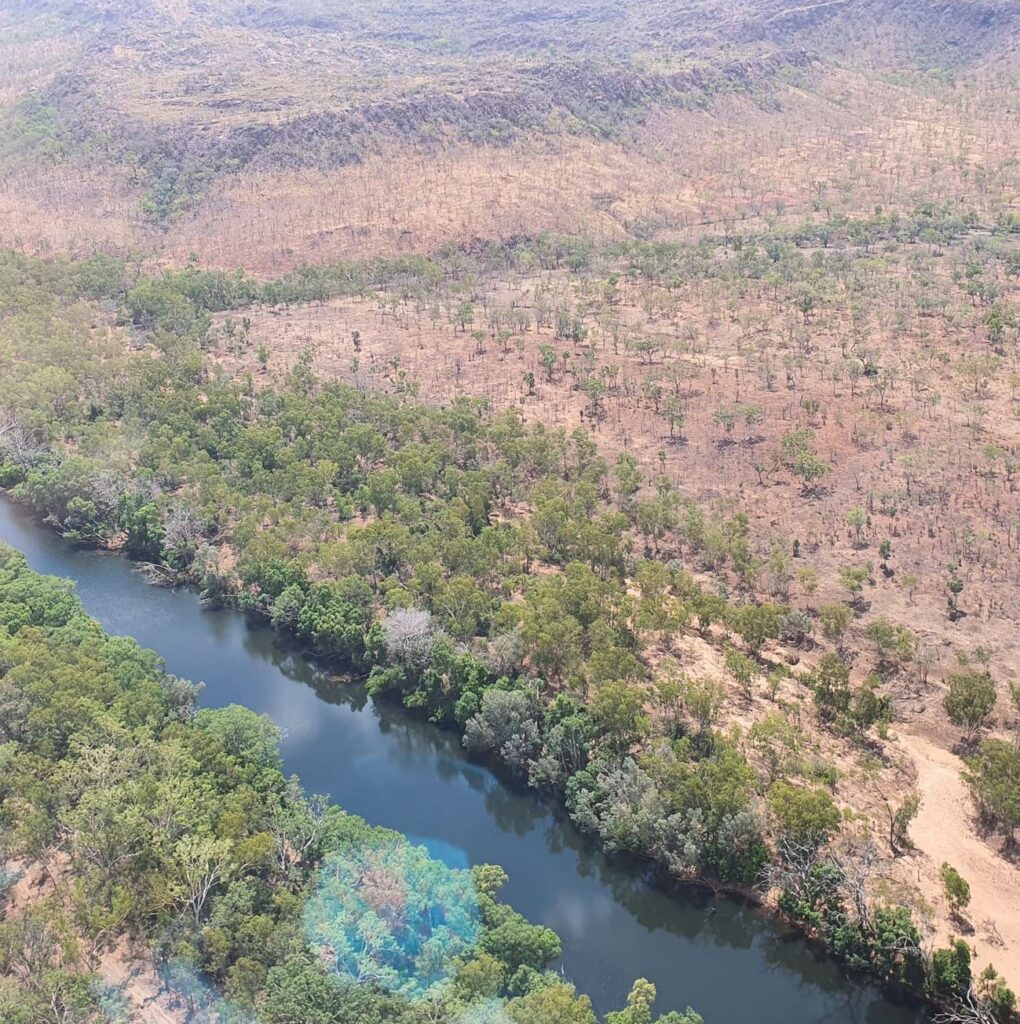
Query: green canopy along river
<point x="731" y="962"/>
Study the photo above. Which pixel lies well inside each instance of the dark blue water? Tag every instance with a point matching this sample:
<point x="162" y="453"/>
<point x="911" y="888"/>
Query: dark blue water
<point x="730" y="962"/>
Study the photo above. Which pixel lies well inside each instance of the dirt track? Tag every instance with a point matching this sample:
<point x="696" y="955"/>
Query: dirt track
<point x="945" y="832"/>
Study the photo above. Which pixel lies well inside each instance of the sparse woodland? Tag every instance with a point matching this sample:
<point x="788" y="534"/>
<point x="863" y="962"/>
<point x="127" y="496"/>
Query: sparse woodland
<point x="647" y="411"/>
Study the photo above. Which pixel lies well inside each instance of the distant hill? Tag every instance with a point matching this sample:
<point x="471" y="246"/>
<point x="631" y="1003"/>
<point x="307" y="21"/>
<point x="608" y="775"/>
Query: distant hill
<point x="174" y="95"/>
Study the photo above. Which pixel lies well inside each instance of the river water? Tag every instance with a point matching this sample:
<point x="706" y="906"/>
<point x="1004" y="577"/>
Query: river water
<point x="732" y="963"/>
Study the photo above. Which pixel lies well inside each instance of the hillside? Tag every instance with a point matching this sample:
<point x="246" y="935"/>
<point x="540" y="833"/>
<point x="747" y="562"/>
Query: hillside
<point x="123" y="121"/>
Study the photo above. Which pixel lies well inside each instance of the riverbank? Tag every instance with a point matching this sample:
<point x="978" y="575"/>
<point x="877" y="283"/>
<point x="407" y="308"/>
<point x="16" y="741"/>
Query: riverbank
<point x="149" y="829"/>
<point x="768" y="902"/>
<point x="406" y="774"/>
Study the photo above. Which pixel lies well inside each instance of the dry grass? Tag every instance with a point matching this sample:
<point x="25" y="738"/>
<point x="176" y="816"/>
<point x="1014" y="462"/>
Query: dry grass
<point x="31" y="55"/>
<point x="844" y="145"/>
<point x="400" y="202"/>
<point x="130" y="971"/>
<point x="864" y="442"/>
<point x="47" y="209"/>
<point x="848" y="146"/>
<point x="945" y="832"/>
<point x="728" y="338"/>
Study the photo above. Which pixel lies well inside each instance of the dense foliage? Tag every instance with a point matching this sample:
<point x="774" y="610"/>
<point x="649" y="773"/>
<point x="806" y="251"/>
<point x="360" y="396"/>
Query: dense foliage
<point x="382" y="534"/>
<point x="145" y="817"/>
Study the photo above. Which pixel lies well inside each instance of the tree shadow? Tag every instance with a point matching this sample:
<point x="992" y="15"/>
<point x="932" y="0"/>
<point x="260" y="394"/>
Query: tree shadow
<point x="963" y="924"/>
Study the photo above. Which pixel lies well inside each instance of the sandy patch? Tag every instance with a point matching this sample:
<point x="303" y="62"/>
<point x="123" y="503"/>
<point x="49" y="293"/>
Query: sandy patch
<point x="945" y="831"/>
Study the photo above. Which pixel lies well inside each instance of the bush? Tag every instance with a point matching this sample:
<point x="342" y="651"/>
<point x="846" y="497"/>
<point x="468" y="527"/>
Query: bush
<point x="807" y="816"/>
<point x="956" y="888"/>
<point x="970" y="701"/>
<point x="505" y="725"/>
<point x="994" y="777"/>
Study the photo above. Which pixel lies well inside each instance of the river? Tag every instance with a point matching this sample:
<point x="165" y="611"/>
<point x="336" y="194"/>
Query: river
<point x="731" y="962"/>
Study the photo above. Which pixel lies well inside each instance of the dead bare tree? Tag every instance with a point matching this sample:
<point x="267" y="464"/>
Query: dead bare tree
<point x="182" y="531"/>
<point x="971" y="1009"/>
<point x="859" y="865"/>
<point x="15" y="443"/>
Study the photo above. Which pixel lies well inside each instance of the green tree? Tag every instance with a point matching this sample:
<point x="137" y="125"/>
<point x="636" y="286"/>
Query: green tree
<point x="955" y="888"/>
<point x="853" y="578"/>
<point x="970" y="700"/>
<point x="954" y="587"/>
<point x="884" y="554"/>
<point x="300" y="990"/>
<point x="896" y="948"/>
<point x="994" y="777"/>
<point x="835" y="620"/>
<point x="332" y="624"/>
<point x="552" y="636"/>
<point x="995" y="994"/>
<point x="198" y="866"/>
<point x="555" y="1003"/>
<point x="869" y="706"/>
<point x="516" y="943"/>
<point x="387" y="913"/>
<point x="618" y="710"/>
<point x="744" y="671"/>
<point x="704" y="699"/>
<point x="464" y="315"/>
<point x="900" y="818"/>
<point x="505" y="725"/>
<point x="832" y="687"/>
<point x="799" y="457"/>
<point x="777" y="742"/>
<point x="755" y="623"/>
<point x="673" y="413"/>
<point x="857" y="519"/>
<point x="951" y="971"/>
<point x="463" y="607"/>
<point x="805" y="816"/>
<point x="640" y="1003"/>
<point x="548" y="358"/>
<point x="896" y="644"/>
<point x="143" y="530"/>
